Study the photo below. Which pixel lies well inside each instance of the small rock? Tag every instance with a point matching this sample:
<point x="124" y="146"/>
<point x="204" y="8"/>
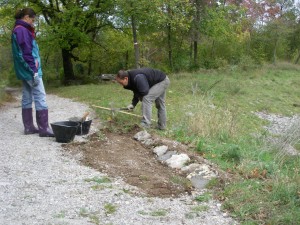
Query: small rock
<point x="190" y="168"/>
<point x="148" y="142"/>
<point x="199" y="182"/>
<point x="203" y="171"/>
<point x="166" y="156"/>
<point x="178" y="161"/>
<point x="160" y="150"/>
<point x="142" y="135"/>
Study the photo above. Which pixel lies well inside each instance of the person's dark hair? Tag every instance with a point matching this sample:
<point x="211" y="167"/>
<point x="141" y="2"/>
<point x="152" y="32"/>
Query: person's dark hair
<point x="122" y="74"/>
<point x="23" y="12"/>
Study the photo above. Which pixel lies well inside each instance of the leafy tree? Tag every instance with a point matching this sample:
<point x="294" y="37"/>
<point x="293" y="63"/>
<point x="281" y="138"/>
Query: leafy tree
<point x="132" y="16"/>
<point x="7" y="11"/>
<point x="221" y="30"/>
<point x="74" y="25"/>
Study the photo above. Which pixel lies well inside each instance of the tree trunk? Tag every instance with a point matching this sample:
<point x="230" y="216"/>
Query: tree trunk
<point x="89" y="67"/>
<point x="135" y="43"/>
<point x="196" y="30"/>
<point x="298" y="58"/>
<point x="169" y="38"/>
<point x="191" y="52"/>
<point x="126" y="59"/>
<point x="195" y="52"/>
<point x="170" y="47"/>
<point x="68" y="67"/>
<point x="274" y="53"/>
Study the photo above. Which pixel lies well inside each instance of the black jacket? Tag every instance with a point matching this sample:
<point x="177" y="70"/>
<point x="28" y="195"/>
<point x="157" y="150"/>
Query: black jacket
<point x="141" y="80"/>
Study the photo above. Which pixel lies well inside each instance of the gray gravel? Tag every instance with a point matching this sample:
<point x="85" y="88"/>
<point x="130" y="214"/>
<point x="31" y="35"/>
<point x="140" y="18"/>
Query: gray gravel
<point x="284" y="132"/>
<point x="279" y="124"/>
<point x="40" y="184"/>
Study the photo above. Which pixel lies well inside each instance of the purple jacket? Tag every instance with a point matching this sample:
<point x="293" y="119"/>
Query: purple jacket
<point x="25" y="51"/>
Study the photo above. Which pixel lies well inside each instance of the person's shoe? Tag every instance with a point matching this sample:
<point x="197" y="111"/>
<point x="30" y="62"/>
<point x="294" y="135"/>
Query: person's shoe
<point x="160" y="128"/>
<point x="29" y="128"/>
<point x="42" y="121"/>
<point x="144" y="125"/>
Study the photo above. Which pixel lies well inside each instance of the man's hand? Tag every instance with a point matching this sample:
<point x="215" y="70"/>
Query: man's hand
<point x="36" y="80"/>
<point x="130" y="107"/>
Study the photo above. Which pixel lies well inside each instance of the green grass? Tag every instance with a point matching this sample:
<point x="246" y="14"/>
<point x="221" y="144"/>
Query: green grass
<point x="214" y="112"/>
<point x="93" y="217"/>
<point x="154" y="213"/>
<point x="98" y="180"/>
<point x="110" y="208"/>
<point x="159" y="212"/>
<point x="204" y="197"/>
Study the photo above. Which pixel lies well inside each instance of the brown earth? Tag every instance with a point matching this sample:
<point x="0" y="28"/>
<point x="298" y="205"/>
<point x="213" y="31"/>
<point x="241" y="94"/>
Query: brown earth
<point x="119" y="155"/>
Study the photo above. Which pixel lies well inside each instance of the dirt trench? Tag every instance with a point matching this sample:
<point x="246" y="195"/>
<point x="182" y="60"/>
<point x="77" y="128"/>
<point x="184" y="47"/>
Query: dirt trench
<point x="119" y="155"/>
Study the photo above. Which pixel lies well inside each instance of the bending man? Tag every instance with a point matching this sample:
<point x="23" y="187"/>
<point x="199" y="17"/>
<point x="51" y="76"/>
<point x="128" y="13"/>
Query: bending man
<point x="148" y="86"/>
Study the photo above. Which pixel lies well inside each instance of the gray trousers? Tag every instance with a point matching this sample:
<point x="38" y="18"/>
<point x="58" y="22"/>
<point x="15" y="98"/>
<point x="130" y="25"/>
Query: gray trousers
<point x="156" y="93"/>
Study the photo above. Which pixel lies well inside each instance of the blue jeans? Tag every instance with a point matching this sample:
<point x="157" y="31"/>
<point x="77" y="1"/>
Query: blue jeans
<point x="36" y="94"/>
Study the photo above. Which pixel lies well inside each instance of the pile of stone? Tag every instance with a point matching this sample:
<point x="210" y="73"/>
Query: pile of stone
<point x="198" y="173"/>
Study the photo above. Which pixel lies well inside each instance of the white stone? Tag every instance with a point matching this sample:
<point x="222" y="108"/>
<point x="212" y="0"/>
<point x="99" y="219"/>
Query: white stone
<point x="204" y="171"/>
<point x="190" y="168"/>
<point x="148" y="142"/>
<point x="178" y="161"/>
<point x="160" y="150"/>
<point x="142" y="136"/>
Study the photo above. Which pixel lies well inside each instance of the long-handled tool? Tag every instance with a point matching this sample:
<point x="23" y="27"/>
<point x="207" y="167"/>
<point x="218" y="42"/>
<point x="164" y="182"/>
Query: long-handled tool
<point x="83" y="118"/>
<point x="116" y="110"/>
<point x="120" y="110"/>
<point x="80" y="119"/>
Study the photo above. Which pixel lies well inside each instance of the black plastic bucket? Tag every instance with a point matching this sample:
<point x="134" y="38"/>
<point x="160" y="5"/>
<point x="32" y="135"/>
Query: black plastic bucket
<point x="84" y="127"/>
<point x="64" y="131"/>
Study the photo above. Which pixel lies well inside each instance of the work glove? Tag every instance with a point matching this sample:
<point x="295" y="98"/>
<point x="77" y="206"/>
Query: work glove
<point x="35" y="80"/>
<point x="130" y="107"/>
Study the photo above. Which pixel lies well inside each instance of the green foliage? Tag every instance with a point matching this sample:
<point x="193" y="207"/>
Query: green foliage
<point x="98" y="36"/>
<point x="159" y="212"/>
<point x="231" y="153"/>
<point x="110" y="208"/>
<point x="98" y="180"/>
<point x="91" y="215"/>
<point x="200" y="147"/>
<point x="246" y="62"/>
<point x="204" y="197"/>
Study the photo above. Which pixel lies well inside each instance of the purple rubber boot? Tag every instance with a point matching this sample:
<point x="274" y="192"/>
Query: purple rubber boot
<point x="42" y="121"/>
<point x="29" y="128"/>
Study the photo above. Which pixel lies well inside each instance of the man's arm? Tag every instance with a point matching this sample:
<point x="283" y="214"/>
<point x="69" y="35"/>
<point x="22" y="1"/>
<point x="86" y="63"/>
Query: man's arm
<point x="135" y="99"/>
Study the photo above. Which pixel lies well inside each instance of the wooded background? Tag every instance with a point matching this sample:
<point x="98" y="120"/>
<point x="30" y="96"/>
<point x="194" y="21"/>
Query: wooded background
<point x="81" y="39"/>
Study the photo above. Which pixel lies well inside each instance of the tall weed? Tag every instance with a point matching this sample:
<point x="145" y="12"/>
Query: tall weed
<point x="207" y="120"/>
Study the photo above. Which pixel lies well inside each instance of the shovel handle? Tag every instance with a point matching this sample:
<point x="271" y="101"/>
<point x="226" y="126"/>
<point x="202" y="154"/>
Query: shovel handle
<point x="127" y="113"/>
<point x="84" y="116"/>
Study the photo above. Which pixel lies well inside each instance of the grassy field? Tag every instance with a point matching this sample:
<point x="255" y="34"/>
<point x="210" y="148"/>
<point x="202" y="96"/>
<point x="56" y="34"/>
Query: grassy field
<point x="213" y="112"/>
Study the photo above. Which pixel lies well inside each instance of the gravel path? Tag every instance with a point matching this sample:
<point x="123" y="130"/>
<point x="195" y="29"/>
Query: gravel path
<point x="279" y="125"/>
<point x="40" y="184"/>
<point x="285" y="132"/>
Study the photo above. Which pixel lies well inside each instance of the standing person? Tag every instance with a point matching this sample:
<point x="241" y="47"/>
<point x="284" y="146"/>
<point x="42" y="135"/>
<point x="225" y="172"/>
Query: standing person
<point x="27" y="64"/>
<point x="148" y="86"/>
